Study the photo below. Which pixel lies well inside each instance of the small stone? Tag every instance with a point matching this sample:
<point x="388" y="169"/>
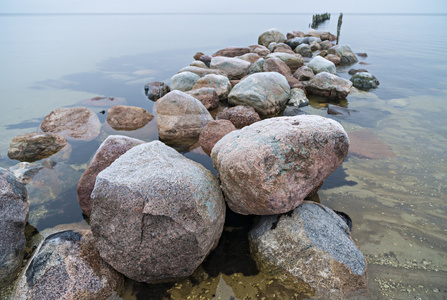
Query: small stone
<point x="156" y="90"/>
<point x="198" y="55"/>
<point x="122" y="117"/>
<point x="34" y="146"/>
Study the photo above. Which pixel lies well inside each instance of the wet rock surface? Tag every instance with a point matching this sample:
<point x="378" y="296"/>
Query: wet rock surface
<point x="364" y="81"/>
<point x="122" y="117"/>
<point x="112" y="148"/>
<point x="34" y="146"/>
<point x="271" y="166"/>
<point x="156" y="214"/>
<point x="75" y="123"/>
<point x="14" y="209"/>
<point x="321" y="253"/>
<point x="67" y="265"/>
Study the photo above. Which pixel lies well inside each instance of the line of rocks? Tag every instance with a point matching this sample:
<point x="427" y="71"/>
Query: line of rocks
<point x="155" y="215"/>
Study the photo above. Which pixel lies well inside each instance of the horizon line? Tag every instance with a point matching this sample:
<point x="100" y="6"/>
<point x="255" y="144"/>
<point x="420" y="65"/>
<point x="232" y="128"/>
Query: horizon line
<point x="210" y="13"/>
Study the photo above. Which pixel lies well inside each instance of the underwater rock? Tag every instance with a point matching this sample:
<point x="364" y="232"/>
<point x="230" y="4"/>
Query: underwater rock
<point x="337" y="110"/>
<point x="34" y="146"/>
<point x="67" y="265"/>
<point x="74" y="123"/>
<point x="14" y="209"/>
<point x="103" y="101"/>
<point x="112" y="148"/>
<point x="311" y="243"/>
<point x="270" y="166"/>
<point x="156" y="214"/>
<point x="366" y="144"/>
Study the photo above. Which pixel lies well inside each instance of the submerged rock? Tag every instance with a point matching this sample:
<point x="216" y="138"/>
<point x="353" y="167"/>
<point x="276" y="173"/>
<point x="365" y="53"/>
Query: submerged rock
<point x="122" y="117"/>
<point x="240" y="115"/>
<point x="213" y="132"/>
<point x="67" y="265"/>
<point x="364" y="81"/>
<point x="156" y="214"/>
<point x="266" y="92"/>
<point x="14" y="209"/>
<point x="180" y="116"/>
<point x="103" y="101"/>
<point x="112" y="148"/>
<point x="271" y="35"/>
<point x="337" y="110"/>
<point x="156" y="90"/>
<point x="184" y="81"/>
<point x="270" y="166"/>
<point x="74" y="123"/>
<point x="34" y="146"/>
<point x="329" y="85"/>
<point x="313" y="244"/>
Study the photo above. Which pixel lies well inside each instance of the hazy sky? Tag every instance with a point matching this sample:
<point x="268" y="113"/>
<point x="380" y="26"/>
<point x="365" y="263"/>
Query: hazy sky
<point x="228" y="6"/>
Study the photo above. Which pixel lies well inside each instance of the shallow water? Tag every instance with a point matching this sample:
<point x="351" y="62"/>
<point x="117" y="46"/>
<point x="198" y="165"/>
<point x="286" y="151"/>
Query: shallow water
<point x="397" y="201"/>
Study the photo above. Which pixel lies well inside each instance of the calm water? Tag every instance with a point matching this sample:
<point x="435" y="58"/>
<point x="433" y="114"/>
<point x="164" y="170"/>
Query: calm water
<point x="397" y="201"/>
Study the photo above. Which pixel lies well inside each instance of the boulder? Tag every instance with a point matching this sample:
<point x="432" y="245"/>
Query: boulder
<point x="291" y="111"/>
<point x="156" y="214"/>
<point x="353" y="71"/>
<point x="294" y="34"/>
<point x="14" y="209"/>
<point x="272" y="46"/>
<point x="266" y="92"/>
<point x="35" y="146"/>
<point x="25" y="171"/>
<point x="112" y="148"/>
<point x="304" y="73"/>
<point x="329" y="85"/>
<point x="198" y="55"/>
<point x="155" y="90"/>
<point x="257" y="66"/>
<point x="294" y="83"/>
<point x="180" y="116"/>
<point x="213" y="132"/>
<point x="298" y="98"/>
<point x="337" y="110"/>
<point x="270" y="166"/>
<point x="206" y="59"/>
<point x="122" y="117"/>
<point x="271" y="35"/>
<point x="364" y="81"/>
<point x="184" y="81"/>
<point x="345" y="52"/>
<point x="198" y="63"/>
<point x="282" y="47"/>
<point x="293" y="61"/>
<point x="335" y="59"/>
<point x="303" y="50"/>
<point x="277" y="65"/>
<point x="74" y="123"/>
<point x="314" y="46"/>
<point x="234" y="68"/>
<point x="293" y="43"/>
<point x="240" y="116"/>
<point x="201" y="71"/>
<point x="325" y="45"/>
<point x="259" y="50"/>
<point x="232" y="51"/>
<point x="327" y="36"/>
<point x="319" y="64"/>
<point x="67" y="265"/>
<point x="250" y="57"/>
<point x="313" y="244"/>
<point x="221" y="84"/>
<point x="207" y="96"/>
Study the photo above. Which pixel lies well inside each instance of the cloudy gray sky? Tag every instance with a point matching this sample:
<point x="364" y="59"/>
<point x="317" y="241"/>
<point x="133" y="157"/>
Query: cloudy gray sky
<point x="227" y="6"/>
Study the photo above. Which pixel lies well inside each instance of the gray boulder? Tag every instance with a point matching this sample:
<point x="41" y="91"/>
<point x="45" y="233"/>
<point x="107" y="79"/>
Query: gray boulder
<point x="271" y="35"/>
<point x="319" y="64"/>
<point x="293" y="43"/>
<point x="270" y="166"/>
<point x="201" y="71"/>
<point x="266" y="92"/>
<point x="14" y="209"/>
<point x="221" y="84"/>
<point x="304" y="50"/>
<point x="156" y="214"/>
<point x="364" y="81"/>
<point x="112" y="148"/>
<point x="66" y="265"/>
<point x="345" y="52"/>
<point x="298" y="98"/>
<point x="234" y="68"/>
<point x="329" y="85"/>
<point x="293" y="61"/>
<point x="184" y="81"/>
<point x="257" y="66"/>
<point x="259" y="49"/>
<point x="311" y="243"/>
<point x="304" y="73"/>
<point x="34" y="146"/>
<point x="180" y="116"/>
<point x="74" y="123"/>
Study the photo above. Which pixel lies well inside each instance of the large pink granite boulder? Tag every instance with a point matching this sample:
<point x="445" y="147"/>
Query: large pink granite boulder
<point x="156" y="214"/>
<point x="270" y="166"/>
<point x="112" y="148"/>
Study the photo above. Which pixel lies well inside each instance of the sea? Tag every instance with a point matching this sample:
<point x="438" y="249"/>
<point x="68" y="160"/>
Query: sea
<point x="393" y="184"/>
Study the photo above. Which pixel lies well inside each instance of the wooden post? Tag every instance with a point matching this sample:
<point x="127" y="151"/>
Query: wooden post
<point x="340" y="20"/>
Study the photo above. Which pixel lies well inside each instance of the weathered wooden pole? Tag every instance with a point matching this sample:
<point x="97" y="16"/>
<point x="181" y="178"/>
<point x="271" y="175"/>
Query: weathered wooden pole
<point x="340" y="20"/>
